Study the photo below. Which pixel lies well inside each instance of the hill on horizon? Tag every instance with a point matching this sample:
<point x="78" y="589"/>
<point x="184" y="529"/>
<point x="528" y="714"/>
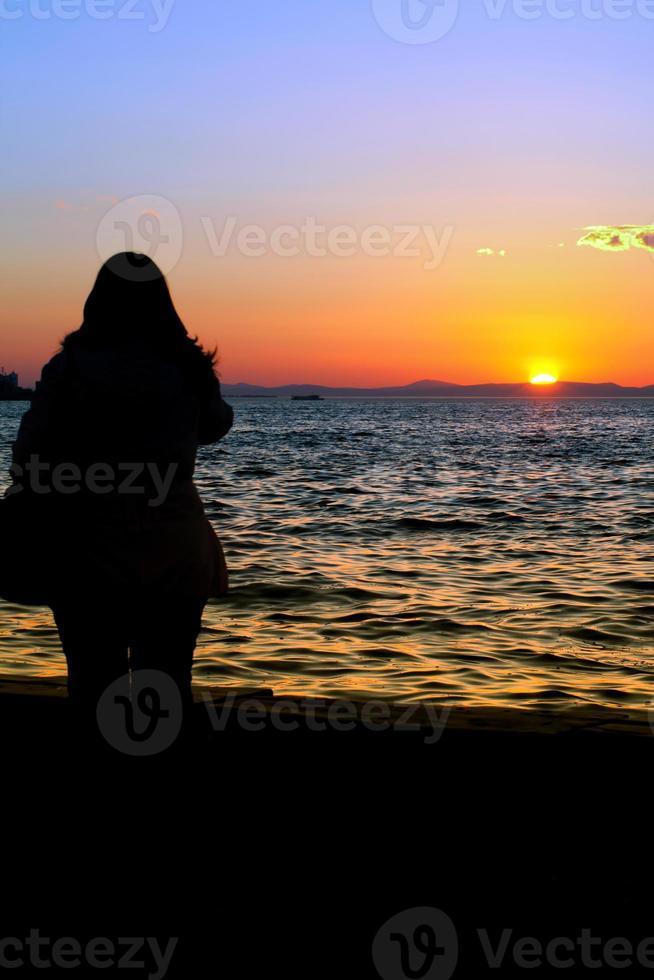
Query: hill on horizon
<point x="446" y="389"/>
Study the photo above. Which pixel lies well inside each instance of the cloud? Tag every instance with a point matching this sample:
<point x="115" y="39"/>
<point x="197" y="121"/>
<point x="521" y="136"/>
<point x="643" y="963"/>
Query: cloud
<point x="491" y="251"/>
<point x="619" y="238"/>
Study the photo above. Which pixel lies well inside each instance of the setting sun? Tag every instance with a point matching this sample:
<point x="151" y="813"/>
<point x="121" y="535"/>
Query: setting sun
<point x="543" y="379"/>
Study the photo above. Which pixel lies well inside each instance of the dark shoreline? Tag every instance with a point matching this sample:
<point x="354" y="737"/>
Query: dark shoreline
<point x="256" y="710"/>
<point x="319" y="838"/>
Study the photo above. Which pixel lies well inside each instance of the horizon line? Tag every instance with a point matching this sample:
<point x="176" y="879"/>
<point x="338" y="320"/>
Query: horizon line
<point x="435" y="382"/>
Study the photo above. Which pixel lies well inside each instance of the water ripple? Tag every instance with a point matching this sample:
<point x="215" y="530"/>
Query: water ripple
<point x="465" y="551"/>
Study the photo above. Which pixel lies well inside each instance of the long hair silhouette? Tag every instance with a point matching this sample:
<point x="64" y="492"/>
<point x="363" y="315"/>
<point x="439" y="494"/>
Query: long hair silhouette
<point x="130" y="300"/>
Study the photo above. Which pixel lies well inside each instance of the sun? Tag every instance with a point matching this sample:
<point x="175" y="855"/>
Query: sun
<point x="543" y="379"/>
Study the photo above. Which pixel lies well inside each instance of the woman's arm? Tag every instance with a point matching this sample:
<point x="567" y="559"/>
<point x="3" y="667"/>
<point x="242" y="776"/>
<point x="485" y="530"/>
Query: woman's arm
<point x="216" y="417"/>
<point x="36" y="427"/>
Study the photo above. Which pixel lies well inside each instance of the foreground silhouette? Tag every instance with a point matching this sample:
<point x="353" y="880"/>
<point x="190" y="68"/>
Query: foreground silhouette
<point x="109" y="447"/>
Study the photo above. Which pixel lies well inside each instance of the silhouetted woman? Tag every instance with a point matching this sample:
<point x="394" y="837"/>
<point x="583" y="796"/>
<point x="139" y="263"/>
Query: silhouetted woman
<point x="117" y="419"/>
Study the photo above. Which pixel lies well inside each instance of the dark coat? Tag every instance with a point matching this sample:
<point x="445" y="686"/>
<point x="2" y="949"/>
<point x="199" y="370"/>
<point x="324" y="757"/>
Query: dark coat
<point x="97" y="412"/>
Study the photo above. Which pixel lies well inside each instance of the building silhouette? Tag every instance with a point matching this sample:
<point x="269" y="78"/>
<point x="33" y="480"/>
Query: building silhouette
<point x="10" y="390"/>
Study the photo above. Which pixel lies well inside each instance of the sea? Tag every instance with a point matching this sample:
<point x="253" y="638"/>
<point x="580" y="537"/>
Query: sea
<point x="457" y="551"/>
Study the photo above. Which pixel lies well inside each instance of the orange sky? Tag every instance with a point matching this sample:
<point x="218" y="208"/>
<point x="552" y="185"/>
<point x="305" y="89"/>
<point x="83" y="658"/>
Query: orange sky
<point x="576" y="313"/>
<point x="515" y="132"/>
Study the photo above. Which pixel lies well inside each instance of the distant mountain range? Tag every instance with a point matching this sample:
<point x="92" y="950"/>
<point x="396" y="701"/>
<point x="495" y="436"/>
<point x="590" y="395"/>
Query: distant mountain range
<point x="444" y="389"/>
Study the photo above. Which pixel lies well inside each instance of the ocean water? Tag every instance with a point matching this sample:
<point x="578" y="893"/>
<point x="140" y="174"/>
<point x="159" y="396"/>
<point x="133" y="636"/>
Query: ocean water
<point x="474" y="552"/>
